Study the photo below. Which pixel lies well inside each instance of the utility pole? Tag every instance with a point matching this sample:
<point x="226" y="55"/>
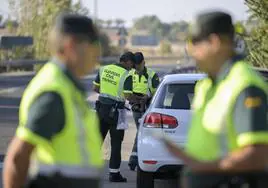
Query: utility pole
<point x="96" y="11"/>
<point x="122" y="33"/>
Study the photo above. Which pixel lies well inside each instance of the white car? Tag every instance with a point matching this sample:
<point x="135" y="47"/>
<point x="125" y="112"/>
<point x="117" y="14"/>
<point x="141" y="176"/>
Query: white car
<point x="169" y="114"/>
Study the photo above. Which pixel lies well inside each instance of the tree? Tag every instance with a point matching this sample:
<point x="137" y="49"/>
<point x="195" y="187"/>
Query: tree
<point x="183" y="25"/>
<point x="100" y="23"/>
<point x="36" y="17"/>
<point x="160" y="29"/>
<point x="165" y="47"/>
<point x="173" y="33"/>
<point x="258" y="40"/>
<point x="119" y="22"/>
<point x="79" y="8"/>
<point x="105" y="44"/>
<point x="109" y="23"/>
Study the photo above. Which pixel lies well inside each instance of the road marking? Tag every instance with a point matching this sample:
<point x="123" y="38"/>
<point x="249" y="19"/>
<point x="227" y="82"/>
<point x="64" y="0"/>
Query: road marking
<point x="10" y="90"/>
<point x="26" y="73"/>
<point x="91" y="76"/>
<point x="14" y="89"/>
<point x="9" y="106"/>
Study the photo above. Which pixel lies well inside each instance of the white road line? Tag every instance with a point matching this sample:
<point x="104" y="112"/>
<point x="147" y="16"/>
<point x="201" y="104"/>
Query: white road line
<point x="91" y="76"/>
<point x="10" y="90"/>
<point x="14" y="89"/>
<point x="9" y="106"/>
<point x="14" y="74"/>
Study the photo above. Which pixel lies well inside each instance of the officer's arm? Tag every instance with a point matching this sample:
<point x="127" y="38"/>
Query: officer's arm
<point x="250" y="120"/>
<point x="155" y="83"/>
<point x="16" y="163"/>
<point x="128" y="91"/>
<point x="45" y="119"/>
<point x="96" y="84"/>
<point x="128" y="86"/>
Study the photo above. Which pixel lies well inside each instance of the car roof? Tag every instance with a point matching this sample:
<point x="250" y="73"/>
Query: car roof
<point x="183" y="77"/>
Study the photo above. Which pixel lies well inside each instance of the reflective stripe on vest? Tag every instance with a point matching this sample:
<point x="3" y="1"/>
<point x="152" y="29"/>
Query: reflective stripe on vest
<point x="82" y="134"/>
<point x="70" y="171"/>
<point x="212" y="134"/>
<point x="79" y="143"/>
<point x="112" y="78"/>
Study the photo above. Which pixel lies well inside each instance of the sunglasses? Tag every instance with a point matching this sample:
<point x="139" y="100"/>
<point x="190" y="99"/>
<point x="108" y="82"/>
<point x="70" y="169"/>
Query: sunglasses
<point x="196" y="39"/>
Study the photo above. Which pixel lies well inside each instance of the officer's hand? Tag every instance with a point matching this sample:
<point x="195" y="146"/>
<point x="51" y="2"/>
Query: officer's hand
<point x="194" y="164"/>
<point x="144" y="99"/>
<point x="200" y="166"/>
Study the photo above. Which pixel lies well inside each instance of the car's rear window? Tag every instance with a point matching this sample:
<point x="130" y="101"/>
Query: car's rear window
<point x="175" y="96"/>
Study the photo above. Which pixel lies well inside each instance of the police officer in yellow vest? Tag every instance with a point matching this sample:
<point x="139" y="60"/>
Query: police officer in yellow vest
<point x="144" y="84"/>
<point x="114" y="86"/>
<point x="228" y="135"/>
<point x="58" y="137"/>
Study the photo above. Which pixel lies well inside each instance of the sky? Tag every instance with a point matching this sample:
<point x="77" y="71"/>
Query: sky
<point x="166" y="10"/>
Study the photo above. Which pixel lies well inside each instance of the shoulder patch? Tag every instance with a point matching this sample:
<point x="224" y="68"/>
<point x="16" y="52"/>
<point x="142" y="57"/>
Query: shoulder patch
<point x="253" y="102"/>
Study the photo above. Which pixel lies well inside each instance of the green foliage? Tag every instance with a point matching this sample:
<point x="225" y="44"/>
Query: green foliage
<point x="165" y="48"/>
<point x="154" y="26"/>
<point x="119" y="22"/>
<point x="105" y="44"/>
<point x="36" y="17"/>
<point x="240" y="28"/>
<point x="258" y="40"/>
<point x="21" y="53"/>
<point x="109" y="23"/>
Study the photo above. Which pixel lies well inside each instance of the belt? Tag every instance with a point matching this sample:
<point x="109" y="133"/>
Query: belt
<point x="119" y="105"/>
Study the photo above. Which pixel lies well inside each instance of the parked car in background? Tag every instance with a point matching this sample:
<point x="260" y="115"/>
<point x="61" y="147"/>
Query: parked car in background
<point x="169" y="114"/>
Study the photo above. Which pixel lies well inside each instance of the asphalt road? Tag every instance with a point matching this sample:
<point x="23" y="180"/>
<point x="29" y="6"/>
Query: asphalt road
<point x="11" y="90"/>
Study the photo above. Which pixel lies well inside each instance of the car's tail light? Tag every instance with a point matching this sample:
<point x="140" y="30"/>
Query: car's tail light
<point x="157" y="120"/>
<point x="149" y="162"/>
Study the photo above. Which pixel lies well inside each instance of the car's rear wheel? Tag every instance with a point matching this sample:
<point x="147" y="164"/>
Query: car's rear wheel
<point x="144" y="179"/>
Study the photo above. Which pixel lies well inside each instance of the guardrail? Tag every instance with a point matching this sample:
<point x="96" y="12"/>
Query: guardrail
<point x="28" y="64"/>
<point x="103" y="59"/>
<point x="191" y="68"/>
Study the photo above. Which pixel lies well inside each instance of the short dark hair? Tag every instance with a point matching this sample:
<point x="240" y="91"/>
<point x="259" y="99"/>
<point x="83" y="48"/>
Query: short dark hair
<point x="128" y="56"/>
<point x="212" y="22"/>
<point x="79" y="26"/>
<point x="139" y="57"/>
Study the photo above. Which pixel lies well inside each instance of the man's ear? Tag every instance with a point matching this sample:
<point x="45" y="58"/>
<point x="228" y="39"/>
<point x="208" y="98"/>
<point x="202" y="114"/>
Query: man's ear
<point x="215" y="42"/>
<point x="69" y="43"/>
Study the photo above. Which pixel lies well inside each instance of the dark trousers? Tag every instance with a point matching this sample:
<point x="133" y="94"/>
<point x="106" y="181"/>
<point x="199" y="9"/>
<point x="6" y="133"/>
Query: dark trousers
<point x="249" y="180"/>
<point x="57" y="181"/>
<point x="110" y="124"/>
<point x="136" y="116"/>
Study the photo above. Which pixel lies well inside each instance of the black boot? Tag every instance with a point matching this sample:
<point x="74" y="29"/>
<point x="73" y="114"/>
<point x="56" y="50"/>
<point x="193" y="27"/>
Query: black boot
<point x="117" y="177"/>
<point x="133" y="162"/>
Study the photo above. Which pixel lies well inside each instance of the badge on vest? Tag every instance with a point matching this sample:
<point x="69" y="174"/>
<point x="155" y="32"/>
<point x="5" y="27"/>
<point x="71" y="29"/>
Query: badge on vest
<point x="252" y="102"/>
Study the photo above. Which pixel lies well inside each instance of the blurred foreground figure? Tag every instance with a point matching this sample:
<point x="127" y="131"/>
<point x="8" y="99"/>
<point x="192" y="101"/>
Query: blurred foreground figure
<point x="58" y="143"/>
<point x="228" y="136"/>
